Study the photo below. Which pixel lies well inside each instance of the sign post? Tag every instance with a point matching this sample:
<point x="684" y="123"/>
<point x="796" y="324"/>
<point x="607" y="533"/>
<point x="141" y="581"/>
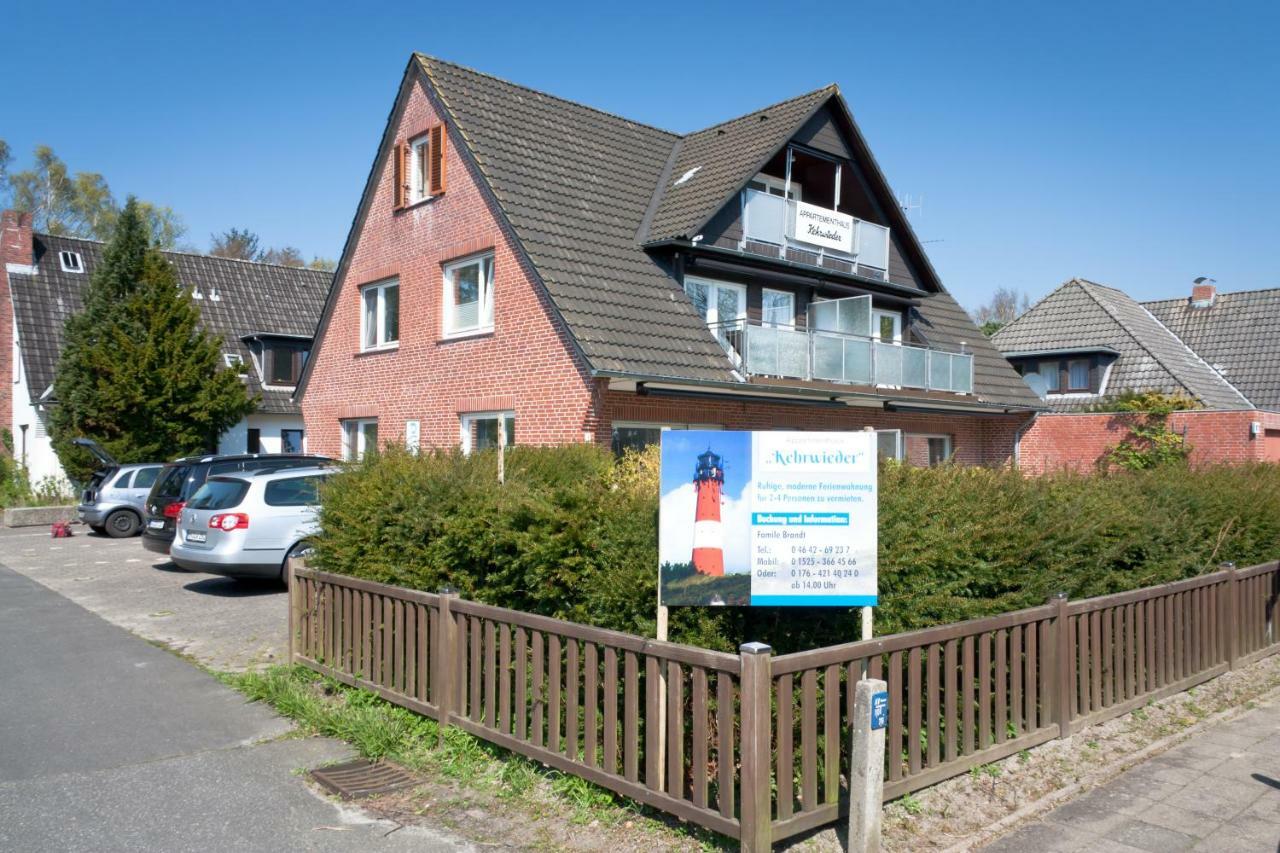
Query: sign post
<point x="866" y="777"/>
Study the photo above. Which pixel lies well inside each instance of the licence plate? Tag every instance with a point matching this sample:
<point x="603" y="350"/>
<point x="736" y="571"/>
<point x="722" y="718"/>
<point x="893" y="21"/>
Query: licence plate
<point x="197" y="536"/>
<point x="156" y="523"/>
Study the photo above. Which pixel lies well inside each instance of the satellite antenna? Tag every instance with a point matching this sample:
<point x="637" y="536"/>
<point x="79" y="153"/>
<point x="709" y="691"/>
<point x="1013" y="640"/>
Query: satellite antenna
<point x="909" y="204"/>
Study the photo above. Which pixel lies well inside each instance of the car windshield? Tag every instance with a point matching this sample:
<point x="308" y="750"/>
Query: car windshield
<point x="218" y="493"/>
<point x="170" y="485"/>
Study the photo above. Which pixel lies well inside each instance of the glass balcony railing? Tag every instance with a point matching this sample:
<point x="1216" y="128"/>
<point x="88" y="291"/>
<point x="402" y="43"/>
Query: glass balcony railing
<point x="813" y="234"/>
<point x="797" y="353"/>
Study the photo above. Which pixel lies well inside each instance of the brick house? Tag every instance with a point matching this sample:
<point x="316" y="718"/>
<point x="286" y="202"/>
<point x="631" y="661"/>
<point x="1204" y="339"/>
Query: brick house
<point x="517" y="258"/>
<point x="1086" y="342"/>
<point x="265" y="314"/>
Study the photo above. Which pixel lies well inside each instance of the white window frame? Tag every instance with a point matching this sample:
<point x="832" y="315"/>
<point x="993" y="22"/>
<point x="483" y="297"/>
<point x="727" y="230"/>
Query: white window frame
<point x="661" y="426"/>
<point x="485" y="310"/>
<point x="380" y="342"/>
<point x="712" y="315"/>
<point x="355" y="438"/>
<point x="419" y="168"/>
<point x="764" y="309"/>
<point x="468" y="419"/>
<point x="877" y="314"/>
<point x="78" y="262"/>
<point x="771" y="183"/>
<point x="1056" y="386"/>
<point x="900" y="443"/>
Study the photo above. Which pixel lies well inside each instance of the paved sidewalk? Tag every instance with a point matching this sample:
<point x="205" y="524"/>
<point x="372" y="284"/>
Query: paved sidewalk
<point x="110" y="744"/>
<point x="1218" y="791"/>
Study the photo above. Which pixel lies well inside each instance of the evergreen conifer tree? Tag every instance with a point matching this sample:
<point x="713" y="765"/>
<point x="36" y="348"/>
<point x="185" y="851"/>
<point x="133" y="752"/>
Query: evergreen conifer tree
<point x="137" y="373"/>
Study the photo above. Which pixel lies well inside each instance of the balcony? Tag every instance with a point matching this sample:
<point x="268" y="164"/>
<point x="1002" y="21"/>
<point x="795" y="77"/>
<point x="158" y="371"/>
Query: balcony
<point x="833" y="348"/>
<point x="805" y="233"/>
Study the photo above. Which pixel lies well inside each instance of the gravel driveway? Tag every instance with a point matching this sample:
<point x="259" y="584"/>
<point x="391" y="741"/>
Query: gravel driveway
<point x="221" y="623"/>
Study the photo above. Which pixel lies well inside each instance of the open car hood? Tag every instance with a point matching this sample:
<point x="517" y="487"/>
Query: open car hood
<point x="96" y="449"/>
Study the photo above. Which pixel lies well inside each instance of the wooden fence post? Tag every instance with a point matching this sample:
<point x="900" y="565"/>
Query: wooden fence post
<point x="295" y="609"/>
<point x="757" y="746"/>
<point x="444" y="663"/>
<point x="1062" y="653"/>
<point x="1231" y="624"/>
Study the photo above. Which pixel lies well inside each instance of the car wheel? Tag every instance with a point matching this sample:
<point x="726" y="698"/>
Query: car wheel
<point x="298" y="553"/>
<point x="98" y="529"/>
<point x="121" y="524"/>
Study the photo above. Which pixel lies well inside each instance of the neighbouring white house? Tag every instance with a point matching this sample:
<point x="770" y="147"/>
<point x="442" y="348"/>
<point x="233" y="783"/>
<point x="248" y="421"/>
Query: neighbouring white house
<point x="266" y="315"/>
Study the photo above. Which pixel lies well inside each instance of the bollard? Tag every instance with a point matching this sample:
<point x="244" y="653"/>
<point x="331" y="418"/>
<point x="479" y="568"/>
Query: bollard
<point x="866" y="768"/>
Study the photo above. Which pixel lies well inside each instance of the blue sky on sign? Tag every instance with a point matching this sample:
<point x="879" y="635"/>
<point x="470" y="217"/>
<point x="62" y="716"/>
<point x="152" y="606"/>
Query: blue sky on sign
<point x="1132" y="143"/>
<point x="681" y="448"/>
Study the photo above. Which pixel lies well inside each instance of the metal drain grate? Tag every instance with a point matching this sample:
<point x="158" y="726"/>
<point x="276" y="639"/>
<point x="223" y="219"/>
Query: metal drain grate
<point x="362" y="778"/>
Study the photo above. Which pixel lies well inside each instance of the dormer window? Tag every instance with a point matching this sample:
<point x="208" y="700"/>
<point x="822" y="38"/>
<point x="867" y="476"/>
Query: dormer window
<point x="71" y="262"/>
<point x="419" y="168"/>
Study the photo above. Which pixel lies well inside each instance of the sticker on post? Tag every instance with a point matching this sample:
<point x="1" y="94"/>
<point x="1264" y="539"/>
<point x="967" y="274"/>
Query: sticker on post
<point x="879" y="710"/>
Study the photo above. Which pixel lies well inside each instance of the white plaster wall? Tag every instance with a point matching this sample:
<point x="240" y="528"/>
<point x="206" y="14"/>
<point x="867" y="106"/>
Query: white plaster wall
<point x="31" y="447"/>
<point x="236" y="439"/>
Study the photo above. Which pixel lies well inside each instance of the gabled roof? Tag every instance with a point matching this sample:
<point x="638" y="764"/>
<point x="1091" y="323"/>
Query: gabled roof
<point x="1083" y="313"/>
<point x="725" y="156"/>
<point x="252" y="297"/>
<point x="582" y="190"/>
<point x="1238" y="335"/>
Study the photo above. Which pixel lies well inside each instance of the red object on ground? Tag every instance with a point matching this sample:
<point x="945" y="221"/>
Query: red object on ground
<point x="60" y="530"/>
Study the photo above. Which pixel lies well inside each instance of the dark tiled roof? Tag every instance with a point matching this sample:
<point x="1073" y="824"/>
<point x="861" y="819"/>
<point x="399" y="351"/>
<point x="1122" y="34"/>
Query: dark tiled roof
<point x="1082" y="313"/>
<point x="726" y="156"/>
<point x="578" y="185"/>
<point x="252" y="297"/>
<point x="1237" y="335"/>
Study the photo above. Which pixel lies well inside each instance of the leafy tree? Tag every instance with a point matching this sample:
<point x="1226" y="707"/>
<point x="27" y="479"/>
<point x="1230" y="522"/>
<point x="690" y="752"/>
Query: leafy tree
<point x="137" y="374"/>
<point x="1149" y="442"/>
<point x="79" y="205"/>
<point x="286" y="256"/>
<point x="326" y="264"/>
<point x="238" y="243"/>
<point x="1005" y="306"/>
<point x="6" y="157"/>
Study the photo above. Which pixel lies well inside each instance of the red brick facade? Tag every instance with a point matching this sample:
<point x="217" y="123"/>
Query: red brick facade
<point x="15" y="248"/>
<point x="1076" y="441"/>
<point x="529" y="364"/>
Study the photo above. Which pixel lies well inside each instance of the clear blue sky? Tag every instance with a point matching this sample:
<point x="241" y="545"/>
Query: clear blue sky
<point x="1135" y="144"/>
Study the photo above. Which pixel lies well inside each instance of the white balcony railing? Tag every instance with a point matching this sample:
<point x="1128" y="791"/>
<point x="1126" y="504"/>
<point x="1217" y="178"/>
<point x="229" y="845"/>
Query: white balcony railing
<point x="850" y="359"/>
<point x="821" y="232"/>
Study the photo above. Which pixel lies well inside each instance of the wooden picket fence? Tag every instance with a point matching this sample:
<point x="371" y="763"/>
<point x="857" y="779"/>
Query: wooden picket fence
<point x="756" y="746"/>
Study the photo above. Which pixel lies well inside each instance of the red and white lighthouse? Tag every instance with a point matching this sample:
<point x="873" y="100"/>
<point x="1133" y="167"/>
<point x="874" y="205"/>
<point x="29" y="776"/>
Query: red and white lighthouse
<point x="708" y="538"/>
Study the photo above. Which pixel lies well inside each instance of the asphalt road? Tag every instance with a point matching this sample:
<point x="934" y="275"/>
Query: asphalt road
<point x="108" y="743"/>
<point x="222" y="623"/>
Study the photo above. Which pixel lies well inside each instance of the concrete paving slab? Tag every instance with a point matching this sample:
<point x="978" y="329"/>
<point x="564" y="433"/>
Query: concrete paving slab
<point x="1149" y="836"/>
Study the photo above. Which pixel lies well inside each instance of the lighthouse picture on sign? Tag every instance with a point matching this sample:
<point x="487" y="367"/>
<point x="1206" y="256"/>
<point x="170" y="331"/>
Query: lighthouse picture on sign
<point x="704" y="537"/>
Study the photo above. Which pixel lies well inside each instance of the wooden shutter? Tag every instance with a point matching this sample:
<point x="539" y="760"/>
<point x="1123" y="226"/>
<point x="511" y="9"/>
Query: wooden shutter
<point x="436" y="184"/>
<point x="398" y="176"/>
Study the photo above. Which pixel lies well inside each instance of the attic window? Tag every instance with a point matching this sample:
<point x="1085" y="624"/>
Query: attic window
<point x="687" y="175"/>
<point x="71" y="262"/>
<point x="232" y="360"/>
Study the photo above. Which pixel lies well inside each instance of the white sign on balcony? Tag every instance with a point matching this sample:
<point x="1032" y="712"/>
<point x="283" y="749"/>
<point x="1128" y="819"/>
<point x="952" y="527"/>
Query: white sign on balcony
<point x="819" y="226"/>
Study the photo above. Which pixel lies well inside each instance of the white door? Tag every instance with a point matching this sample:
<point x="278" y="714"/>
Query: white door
<point x="886" y="326"/>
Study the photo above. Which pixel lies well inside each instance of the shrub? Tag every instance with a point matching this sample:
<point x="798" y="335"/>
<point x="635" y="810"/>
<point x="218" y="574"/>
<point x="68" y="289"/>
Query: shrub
<point x="573" y="534"/>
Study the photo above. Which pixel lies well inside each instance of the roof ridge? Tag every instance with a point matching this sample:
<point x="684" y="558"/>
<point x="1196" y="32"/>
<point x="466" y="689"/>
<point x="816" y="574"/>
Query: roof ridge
<point x="832" y="87"/>
<point x="193" y="254"/>
<point x="423" y="57"/>
<point x="1141" y="343"/>
<point x="1219" y="295"/>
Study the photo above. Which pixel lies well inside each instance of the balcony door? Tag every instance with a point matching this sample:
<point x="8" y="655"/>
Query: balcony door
<point x="886" y="326"/>
<point x="724" y="306"/>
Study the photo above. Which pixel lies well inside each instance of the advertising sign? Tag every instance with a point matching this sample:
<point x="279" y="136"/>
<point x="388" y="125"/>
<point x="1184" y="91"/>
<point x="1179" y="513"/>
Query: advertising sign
<point x="768" y="518"/>
<point x="819" y="226"/>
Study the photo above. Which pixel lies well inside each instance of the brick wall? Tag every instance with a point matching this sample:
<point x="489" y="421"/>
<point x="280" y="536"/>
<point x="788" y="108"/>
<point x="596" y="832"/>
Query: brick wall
<point x="975" y="440"/>
<point x="15" y="248"/>
<point x="527" y="363"/>
<point x="1076" y="441"/>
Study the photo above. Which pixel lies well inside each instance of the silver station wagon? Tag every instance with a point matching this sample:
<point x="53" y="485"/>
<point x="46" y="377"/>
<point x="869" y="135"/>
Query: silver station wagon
<point x="248" y="524"/>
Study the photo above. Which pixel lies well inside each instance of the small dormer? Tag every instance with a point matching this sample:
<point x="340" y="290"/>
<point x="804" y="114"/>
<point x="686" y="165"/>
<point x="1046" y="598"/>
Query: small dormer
<point x="278" y="358"/>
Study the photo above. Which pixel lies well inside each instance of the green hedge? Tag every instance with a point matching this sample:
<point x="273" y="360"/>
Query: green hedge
<point x="573" y="534"/>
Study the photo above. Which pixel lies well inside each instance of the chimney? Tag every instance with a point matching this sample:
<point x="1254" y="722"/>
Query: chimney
<point x="1203" y="291"/>
<point x="15" y="238"/>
